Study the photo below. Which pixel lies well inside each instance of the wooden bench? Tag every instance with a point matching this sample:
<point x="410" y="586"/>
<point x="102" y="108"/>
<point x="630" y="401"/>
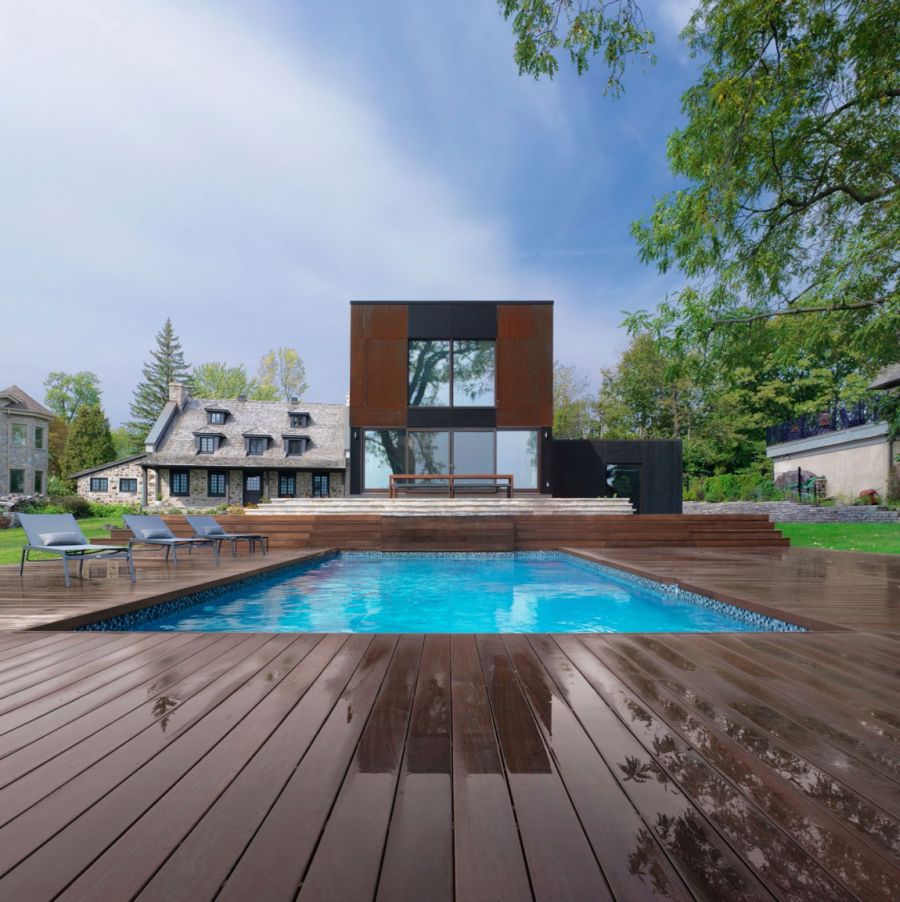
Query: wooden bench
<point x="451" y="484"/>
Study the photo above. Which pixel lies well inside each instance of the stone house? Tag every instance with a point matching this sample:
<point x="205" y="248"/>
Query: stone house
<point x="206" y="453"/>
<point x="850" y="446"/>
<point x="24" y="433"/>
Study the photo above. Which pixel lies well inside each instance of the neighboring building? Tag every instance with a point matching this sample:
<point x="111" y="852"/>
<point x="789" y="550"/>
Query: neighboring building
<point x="466" y="387"/>
<point x="118" y="482"/>
<point x="24" y="434"/>
<point x="205" y="453"/>
<point x="849" y="445"/>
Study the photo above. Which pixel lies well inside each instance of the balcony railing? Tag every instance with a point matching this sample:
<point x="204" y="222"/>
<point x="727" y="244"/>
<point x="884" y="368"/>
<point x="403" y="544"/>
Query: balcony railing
<point x="840" y="416"/>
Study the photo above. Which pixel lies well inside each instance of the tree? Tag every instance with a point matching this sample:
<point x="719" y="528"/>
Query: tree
<point x="282" y="370"/>
<point x="166" y="365"/>
<point x="224" y="382"/>
<point x="124" y="442"/>
<point x="789" y="159"/>
<point x="57" y="435"/>
<point x="573" y="408"/>
<point x="66" y="393"/>
<point x="90" y="442"/>
<point x="614" y="28"/>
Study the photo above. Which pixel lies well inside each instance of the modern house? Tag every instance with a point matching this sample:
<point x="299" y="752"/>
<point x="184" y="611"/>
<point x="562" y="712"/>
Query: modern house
<point x="24" y="428"/>
<point x="205" y="453"/>
<point x="848" y="444"/>
<point x="466" y="387"/>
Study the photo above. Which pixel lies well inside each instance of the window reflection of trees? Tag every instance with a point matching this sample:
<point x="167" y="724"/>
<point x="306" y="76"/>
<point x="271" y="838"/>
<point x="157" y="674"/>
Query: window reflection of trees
<point x="429" y="373"/>
<point x="430" y="370"/>
<point x="473" y="373"/>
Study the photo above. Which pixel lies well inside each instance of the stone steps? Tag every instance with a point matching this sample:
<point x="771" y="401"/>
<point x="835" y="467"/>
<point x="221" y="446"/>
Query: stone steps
<point x="431" y="507"/>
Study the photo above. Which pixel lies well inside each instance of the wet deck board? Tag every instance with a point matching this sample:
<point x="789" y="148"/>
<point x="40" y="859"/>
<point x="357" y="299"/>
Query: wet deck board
<point x="471" y="767"/>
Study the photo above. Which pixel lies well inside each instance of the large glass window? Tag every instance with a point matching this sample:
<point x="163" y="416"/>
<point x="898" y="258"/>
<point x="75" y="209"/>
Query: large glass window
<point x="473" y="452"/>
<point x="385" y="453"/>
<point x="429" y="451"/>
<point x="17" y="482"/>
<point x="321" y="485"/>
<point x="429" y="374"/>
<point x="39" y="437"/>
<point x="473" y="374"/>
<point x="19" y="435"/>
<point x="444" y="373"/>
<point x="287" y="485"/>
<point x="180" y="483"/>
<point x="216" y="483"/>
<point x="517" y="453"/>
<point x="39" y="481"/>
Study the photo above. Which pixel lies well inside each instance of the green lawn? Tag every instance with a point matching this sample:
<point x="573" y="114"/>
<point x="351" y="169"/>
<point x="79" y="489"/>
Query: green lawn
<point x="12" y="540"/>
<point x="875" y="537"/>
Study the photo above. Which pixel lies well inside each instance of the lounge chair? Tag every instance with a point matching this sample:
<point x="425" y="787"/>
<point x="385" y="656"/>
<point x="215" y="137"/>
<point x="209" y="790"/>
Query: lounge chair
<point x="150" y="530"/>
<point x="60" y="534"/>
<point x="207" y="528"/>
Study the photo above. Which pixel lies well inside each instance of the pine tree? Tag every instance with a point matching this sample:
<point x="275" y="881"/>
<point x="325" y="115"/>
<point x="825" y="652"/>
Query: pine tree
<point x="89" y="442"/>
<point x="166" y="365"/>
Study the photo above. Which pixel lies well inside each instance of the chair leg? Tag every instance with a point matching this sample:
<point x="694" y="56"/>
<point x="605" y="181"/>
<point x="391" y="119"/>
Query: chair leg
<point x="168" y="549"/>
<point x="65" y="558"/>
<point x="215" y="548"/>
<point x="174" y="553"/>
<point x="234" y="547"/>
<point x="81" y="567"/>
<point x="131" y="565"/>
<point x="22" y="561"/>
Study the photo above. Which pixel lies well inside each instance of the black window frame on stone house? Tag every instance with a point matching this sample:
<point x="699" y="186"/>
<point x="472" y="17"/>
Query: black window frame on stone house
<point x="216" y="476"/>
<point x="99" y="484"/>
<point x="16" y="480"/>
<point x="216" y="417"/>
<point x="128" y="485"/>
<point x="295" y="446"/>
<point x="257" y="445"/>
<point x="287" y="485"/>
<point x="207" y="444"/>
<point x="175" y="479"/>
<point x="318" y="481"/>
<point x="299" y="420"/>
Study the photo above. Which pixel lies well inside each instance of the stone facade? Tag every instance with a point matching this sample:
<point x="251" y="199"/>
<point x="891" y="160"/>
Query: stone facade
<point x="114" y="473"/>
<point x="792" y="512"/>
<point x="24" y="437"/>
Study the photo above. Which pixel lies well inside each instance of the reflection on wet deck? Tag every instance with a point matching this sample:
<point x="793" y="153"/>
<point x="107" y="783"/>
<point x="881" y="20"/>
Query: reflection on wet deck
<point x="256" y="766"/>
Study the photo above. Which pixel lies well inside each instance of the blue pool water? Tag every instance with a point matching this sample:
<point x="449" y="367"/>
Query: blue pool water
<point x="454" y="594"/>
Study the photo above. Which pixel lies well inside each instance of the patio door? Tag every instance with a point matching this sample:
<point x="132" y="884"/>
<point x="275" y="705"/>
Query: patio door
<point x="252" y="487"/>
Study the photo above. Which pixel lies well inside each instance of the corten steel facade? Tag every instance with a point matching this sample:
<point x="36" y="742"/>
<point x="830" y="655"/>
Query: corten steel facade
<point x="462" y="387"/>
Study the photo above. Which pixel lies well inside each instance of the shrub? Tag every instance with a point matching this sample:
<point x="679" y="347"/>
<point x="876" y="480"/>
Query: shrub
<point x="113" y="510"/>
<point x="58" y="504"/>
<point x="746" y="486"/>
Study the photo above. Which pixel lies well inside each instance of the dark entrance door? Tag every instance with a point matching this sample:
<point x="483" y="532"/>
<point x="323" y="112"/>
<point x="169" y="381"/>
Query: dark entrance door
<point x="624" y="481"/>
<point x="252" y="488"/>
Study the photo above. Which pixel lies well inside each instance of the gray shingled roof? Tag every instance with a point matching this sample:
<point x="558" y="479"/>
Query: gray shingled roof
<point x="177" y="447"/>
<point x="23" y="402"/>
<point x="110" y="465"/>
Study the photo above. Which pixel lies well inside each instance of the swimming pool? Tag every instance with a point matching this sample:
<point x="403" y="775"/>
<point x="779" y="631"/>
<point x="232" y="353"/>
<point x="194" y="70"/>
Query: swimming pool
<point x="522" y="592"/>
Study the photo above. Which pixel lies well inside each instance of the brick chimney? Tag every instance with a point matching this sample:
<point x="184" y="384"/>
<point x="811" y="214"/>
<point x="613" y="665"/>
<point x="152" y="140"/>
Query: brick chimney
<point x="178" y="393"/>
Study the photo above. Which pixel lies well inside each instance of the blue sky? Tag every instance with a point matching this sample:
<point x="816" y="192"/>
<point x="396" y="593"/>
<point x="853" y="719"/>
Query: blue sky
<point x="247" y="168"/>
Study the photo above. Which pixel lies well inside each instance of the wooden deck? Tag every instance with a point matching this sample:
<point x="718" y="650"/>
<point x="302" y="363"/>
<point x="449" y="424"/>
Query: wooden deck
<point x="347" y="767"/>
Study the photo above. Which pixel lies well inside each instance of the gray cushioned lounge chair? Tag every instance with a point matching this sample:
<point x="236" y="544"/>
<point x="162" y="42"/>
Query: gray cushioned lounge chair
<point x="150" y="530"/>
<point x="207" y="528"/>
<point x="60" y="534"/>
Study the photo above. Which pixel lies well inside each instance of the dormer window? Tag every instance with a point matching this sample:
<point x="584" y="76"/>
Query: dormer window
<point x="207" y="444"/>
<point x="216" y="416"/>
<point x="294" y="447"/>
<point x="299" y="420"/>
<point x="257" y="445"/>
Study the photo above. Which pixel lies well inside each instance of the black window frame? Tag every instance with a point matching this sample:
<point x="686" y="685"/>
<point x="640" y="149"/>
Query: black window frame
<point x="257" y="441"/>
<point x="38" y="478"/>
<point x="211" y="440"/>
<point x="292" y="478"/>
<point x="217" y="475"/>
<point x="301" y="444"/>
<point x="40" y="431"/>
<point x="13" y="491"/>
<point x="99" y="484"/>
<point x="451" y="405"/>
<point x="318" y="477"/>
<point x="177" y="474"/>
<point x="131" y="480"/>
<point x="18" y="429"/>
<point x="299" y="420"/>
<point x="216" y="417"/>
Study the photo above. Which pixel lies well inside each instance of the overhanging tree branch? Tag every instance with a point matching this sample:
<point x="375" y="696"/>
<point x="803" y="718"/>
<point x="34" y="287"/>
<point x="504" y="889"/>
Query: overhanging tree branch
<point x="798" y="311"/>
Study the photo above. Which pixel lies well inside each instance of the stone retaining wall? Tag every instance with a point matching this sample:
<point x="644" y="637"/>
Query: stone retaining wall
<point x="792" y="512"/>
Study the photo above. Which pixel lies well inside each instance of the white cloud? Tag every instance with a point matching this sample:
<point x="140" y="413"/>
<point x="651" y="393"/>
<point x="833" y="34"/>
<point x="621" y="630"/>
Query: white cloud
<point x="157" y="160"/>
